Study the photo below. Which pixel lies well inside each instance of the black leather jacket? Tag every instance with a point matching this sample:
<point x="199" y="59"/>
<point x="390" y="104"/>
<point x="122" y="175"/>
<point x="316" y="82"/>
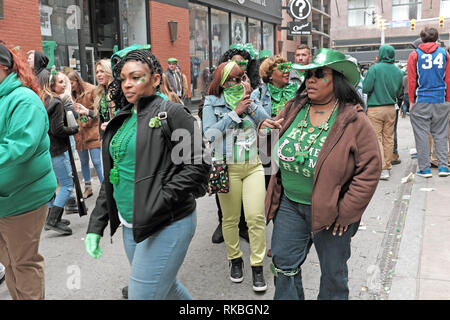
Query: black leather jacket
<point x="163" y="191"/>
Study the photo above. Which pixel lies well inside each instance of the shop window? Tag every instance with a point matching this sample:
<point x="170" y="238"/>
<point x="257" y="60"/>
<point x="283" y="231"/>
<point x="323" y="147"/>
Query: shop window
<point x="238" y="29"/>
<point x="254" y="33"/>
<point x="268" y="37"/>
<point x="133" y="22"/>
<point x="199" y="53"/>
<point x="360" y="12"/>
<point x="60" y="23"/>
<point x="220" y="35"/>
<point x="445" y="8"/>
<point x="406" y="10"/>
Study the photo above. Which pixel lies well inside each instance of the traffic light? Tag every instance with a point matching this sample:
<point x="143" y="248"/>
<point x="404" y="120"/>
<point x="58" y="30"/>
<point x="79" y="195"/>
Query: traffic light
<point x="382" y="24"/>
<point x="441" y="21"/>
<point x="413" y="24"/>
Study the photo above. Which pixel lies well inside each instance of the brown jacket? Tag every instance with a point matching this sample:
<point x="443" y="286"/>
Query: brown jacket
<point x="347" y="171"/>
<point x="88" y="137"/>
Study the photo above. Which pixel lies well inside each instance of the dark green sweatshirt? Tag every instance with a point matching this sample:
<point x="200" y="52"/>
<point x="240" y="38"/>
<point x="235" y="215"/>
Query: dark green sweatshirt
<point x="384" y="80"/>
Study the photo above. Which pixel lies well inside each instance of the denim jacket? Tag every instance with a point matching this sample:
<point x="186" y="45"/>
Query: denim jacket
<point x="262" y="96"/>
<point x="220" y="123"/>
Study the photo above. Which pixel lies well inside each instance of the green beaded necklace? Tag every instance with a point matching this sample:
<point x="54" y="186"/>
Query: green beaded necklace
<point x="301" y="155"/>
<point x="118" y="151"/>
<point x="104" y="110"/>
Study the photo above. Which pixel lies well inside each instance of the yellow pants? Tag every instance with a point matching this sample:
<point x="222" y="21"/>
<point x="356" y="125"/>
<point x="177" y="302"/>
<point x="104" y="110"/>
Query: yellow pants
<point x="247" y="186"/>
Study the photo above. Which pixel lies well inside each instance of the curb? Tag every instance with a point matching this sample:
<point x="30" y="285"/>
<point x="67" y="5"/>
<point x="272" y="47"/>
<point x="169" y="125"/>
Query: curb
<point x="405" y="282"/>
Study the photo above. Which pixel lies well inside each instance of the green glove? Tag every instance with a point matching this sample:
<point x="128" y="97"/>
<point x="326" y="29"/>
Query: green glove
<point x="92" y="245"/>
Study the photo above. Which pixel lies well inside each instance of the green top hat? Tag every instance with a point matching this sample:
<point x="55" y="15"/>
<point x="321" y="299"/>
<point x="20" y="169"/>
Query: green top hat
<point x="265" y="54"/>
<point x="172" y="60"/>
<point x="334" y="60"/>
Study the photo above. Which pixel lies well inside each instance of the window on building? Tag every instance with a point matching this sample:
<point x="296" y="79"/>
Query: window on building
<point x="254" y="33"/>
<point x="199" y="53"/>
<point x="360" y="12"/>
<point x="133" y="22"/>
<point x="220" y="35"/>
<point x="268" y="37"/>
<point x="406" y="9"/>
<point x="445" y="8"/>
<point x="238" y="29"/>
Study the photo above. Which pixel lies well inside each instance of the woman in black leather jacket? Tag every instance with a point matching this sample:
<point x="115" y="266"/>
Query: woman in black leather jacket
<point x="146" y="189"/>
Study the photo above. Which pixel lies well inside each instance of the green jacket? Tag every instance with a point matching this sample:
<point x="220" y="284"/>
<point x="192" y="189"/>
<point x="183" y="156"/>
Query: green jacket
<point x="27" y="180"/>
<point x="383" y="83"/>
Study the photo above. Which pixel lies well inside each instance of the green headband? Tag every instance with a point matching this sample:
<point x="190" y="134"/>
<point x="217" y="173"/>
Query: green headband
<point x="226" y="71"/>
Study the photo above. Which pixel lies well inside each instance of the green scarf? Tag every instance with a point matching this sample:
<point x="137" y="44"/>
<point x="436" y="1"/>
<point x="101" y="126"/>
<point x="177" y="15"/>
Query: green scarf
<point x="233" y="95"/>
<point x="281" y="95"/>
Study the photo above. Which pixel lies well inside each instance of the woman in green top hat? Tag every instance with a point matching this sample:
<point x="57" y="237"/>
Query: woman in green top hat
<point x="330" y="165"/>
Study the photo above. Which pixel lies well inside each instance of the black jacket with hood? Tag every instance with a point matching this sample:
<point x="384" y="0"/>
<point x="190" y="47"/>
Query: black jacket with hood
<point x="164" y="192"/>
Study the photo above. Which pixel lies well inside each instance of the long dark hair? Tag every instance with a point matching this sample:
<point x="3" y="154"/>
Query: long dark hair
<point x="252" y="68"/>
<point x="115" y="87"/>
<point x="344" y="91"/>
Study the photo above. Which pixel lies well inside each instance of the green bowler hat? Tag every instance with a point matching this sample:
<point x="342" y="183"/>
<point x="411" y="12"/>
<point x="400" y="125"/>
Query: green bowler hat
<point x="334" y="60"/>
<point x="172" y="60"/>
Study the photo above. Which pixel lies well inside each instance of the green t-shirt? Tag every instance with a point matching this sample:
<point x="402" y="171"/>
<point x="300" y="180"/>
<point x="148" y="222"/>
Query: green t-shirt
<point x="124" y="189"/>
<point x="298" y="178"/>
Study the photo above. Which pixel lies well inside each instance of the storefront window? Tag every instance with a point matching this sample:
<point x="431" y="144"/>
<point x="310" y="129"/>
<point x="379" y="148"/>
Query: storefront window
<point x="254" y="33"/>
<point x="268" y="37"/>
<point x="238" y="29"/>
<point x="134" y="22"/>
<point x="199" y="44"/>
<point x="220" y="35"/>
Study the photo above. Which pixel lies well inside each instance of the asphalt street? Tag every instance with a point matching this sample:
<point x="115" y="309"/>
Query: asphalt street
<point x="71" y="274"/>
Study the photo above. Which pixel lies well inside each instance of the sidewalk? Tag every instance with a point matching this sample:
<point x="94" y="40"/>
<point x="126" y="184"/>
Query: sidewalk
<point x="422" y="270"/>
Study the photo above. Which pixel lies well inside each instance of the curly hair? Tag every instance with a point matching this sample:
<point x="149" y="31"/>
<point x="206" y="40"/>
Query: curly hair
<point x="266" y="69"/>
<point x="253" y="65"/>
<point x="115" y="87"/>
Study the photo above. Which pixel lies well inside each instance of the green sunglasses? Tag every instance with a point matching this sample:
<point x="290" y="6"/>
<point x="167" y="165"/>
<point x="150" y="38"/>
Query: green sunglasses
<point x="242" y="64"/>
<point x="284" y="67"/>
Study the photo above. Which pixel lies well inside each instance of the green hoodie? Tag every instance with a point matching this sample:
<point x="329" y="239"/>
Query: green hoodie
<point x="384" y="81"/>
<point x="27" y="180"/>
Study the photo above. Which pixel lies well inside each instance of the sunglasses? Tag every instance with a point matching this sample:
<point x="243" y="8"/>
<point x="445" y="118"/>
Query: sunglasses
<point x="242" y="64"/>
<point x="317" y="73"/>
<point x="284" y="67"/>
<point x="235" y="79"/>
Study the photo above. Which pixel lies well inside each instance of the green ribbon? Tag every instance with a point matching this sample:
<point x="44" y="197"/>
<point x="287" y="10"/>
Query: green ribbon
<point x="233" y="95"/>
<point x="248" y="47"/>
<point x="281" y="95"/>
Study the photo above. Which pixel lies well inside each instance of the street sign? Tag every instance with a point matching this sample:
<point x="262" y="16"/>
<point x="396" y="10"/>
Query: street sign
<point x="300" y="9"/>
<point x="299" y="28"/>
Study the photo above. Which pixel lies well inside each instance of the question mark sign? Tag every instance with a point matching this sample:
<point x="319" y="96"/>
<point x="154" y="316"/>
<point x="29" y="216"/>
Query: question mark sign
<point x="302" y="5"/>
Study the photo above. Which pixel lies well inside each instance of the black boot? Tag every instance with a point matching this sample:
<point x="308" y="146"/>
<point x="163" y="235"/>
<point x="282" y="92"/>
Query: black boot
<point x="63" y="221"/>
<point x="125" y="292"/>
<point x="54" y="221"/>
<point x="71" y="206"/>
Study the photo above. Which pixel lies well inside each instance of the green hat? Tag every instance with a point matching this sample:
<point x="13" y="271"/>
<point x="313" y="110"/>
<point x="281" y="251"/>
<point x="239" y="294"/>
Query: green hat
<point x="119" y="55"/>
<point x="334" y="60"/>
<point x="265" y="54"/>
<point x="172" y="60"/>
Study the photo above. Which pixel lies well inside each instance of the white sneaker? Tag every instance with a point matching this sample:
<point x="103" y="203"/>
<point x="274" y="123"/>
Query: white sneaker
<point x="384" y="175"/>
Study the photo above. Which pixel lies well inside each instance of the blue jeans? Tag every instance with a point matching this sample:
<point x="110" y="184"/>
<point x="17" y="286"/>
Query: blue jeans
<point x="291" y="241"/>
<point x="63" y="172"/>
<point x="96" y="157"/>
<point x="156" y="260"/>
